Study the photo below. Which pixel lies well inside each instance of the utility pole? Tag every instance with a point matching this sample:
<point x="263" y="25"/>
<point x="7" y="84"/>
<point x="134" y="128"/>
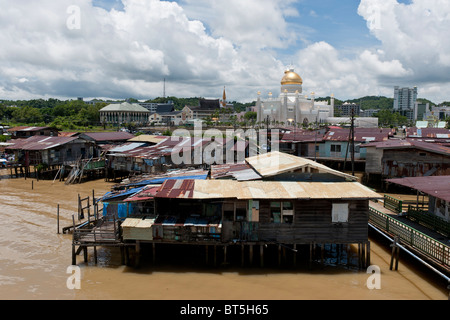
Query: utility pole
<point x="352" y="129"/>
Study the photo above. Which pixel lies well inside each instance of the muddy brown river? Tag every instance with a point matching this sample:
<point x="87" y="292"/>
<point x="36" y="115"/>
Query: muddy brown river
<point x="34" y="259"/>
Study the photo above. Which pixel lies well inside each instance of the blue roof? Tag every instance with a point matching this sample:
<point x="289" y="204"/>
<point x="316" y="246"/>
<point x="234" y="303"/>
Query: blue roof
<point x="161" y="180"/>
<point x="138" y="186"/>
<point x="111" y="195"/>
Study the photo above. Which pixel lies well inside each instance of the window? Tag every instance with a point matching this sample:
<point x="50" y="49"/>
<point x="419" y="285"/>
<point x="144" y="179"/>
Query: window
<point x="241" y="211"/>
<point x="228" y="211"/>
<point x="235" y="212"/>
<point x="281" y="212"/>
<point x="339" y="213"/>
<point x="335" y="148"/>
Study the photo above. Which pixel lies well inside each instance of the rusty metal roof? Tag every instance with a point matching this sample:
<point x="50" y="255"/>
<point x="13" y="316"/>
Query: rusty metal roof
<point x="436" y="186"/>
<point x="246" y="190"/>
<point x="107" y="136"/>
<point x="411" y="144"/>
<point x="274" y="163"/>
<point x="361" y="134"/>
<point x="238" y="171"/>
<point x="40" y="143"/>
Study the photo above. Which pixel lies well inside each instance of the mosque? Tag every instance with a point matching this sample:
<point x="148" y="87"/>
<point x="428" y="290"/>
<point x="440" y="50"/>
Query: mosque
<point x="292" y="107"/>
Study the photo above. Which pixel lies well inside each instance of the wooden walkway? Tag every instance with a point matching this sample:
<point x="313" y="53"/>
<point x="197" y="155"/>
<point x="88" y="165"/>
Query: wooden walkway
<point x="431" y="246"/>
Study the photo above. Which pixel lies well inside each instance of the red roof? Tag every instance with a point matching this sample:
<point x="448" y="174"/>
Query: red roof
<point x="176" y="189"/>
<point x="411" y="144"/>
<point x="436" y="186"/>
<point x="108" y="136"/>
<point x="40" y="143"/>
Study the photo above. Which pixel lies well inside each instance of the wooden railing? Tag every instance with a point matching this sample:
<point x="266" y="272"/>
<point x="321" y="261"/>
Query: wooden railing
<point x="424" y="244"/>
<point x="393" y="204"/>
<point x="429" y="220"/>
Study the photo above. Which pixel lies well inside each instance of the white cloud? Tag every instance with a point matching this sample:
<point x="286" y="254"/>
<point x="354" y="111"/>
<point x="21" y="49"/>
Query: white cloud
<point x="200" y="46"/>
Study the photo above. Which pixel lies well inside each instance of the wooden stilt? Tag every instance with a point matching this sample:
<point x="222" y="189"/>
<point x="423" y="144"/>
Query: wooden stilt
<point x="310" y="254"/>
<point x="85" y="253"/>
<point x="250" y="254"/>
<point x="295" y="255"/>
<point x="368" y="253"/>
<point x="322" y="248"/>
<point x="122" y="255"/>
<point x="154" y="253"/>
<point x="261" y="255"/>
<point x="74" y="256"/>
<point x="225" y="254"/>
<point x="95" y="254"/>
<point x="279" y="255"/>
<point x="138" y="253"/>
<point x="395" y="254"/>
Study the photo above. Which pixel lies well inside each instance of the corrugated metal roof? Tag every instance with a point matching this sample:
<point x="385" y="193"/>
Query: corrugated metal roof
<point x="246" y="190"/>
<point x="238" y="171"/>
<point x="40" y="143"/>
<point x="436" y="186"/>
<point x="274" y="163"/>
<point x="148" y="138"/>
<point x="411" y="144"/>
<point x="147" y="193"/>
<point x="361" y="134"/>
<point x="108" y="136"/>
<point x="126" y="147"/>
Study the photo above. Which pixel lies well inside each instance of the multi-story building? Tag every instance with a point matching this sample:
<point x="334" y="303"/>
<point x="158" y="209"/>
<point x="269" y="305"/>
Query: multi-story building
<point x="405" y="101"/>
<point x="347" y="109"/>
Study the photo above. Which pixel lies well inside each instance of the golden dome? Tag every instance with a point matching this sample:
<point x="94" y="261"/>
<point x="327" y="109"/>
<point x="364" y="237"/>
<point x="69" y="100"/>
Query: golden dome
<point x="290" y="77"/>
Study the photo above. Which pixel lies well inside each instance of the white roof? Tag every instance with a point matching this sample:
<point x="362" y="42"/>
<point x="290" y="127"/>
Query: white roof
<point x="125" y="107"/>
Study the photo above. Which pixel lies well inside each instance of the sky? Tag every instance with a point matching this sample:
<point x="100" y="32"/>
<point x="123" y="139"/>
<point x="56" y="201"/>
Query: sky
<point x="117" y="49"/>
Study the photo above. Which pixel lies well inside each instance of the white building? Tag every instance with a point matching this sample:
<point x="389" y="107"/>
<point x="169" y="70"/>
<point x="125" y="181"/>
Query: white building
<point x="118" y="114"/>
<point x="292" y="107"/>
<point x="405" y="102"/>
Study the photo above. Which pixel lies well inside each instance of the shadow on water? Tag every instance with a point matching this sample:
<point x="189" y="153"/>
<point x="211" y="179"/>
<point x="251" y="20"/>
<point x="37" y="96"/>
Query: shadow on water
<point x="190" y="258"/>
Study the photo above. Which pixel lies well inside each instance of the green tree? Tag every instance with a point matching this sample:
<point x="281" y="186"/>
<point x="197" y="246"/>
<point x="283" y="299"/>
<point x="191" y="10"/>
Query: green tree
<point x="27" y="115"/>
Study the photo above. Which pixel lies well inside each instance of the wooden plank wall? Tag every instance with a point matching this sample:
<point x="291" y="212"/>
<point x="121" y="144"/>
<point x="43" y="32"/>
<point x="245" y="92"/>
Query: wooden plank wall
<point x="312" y="223"/>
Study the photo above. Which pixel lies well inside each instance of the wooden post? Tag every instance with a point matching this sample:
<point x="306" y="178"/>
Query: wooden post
<point x="138" y="253"/>
<point x="322" y="247"/>
<point x="295" y="254"/>
<point x="368" y="253"/>
<point x="261" y="255"/>
<point x="85" y="254"/>
<point x="251" y="254"/>
<point x="225" y="254"/>
<point x="32" y="184"/>
<point x="95" y="254"/>
<point x="74" y="256"/>
<point x="57" y="215"/>
<point x="154" y="252"/>
<point x="395" y="254"/>
<point x="359" y="255"/>
<point x="279" y="255"/>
